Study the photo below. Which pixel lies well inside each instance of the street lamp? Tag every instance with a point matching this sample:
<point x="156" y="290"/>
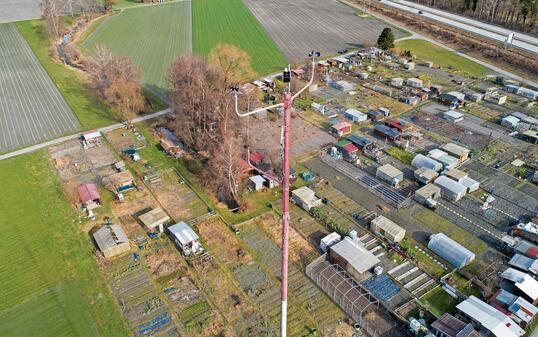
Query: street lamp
<point x="287" y="102"/>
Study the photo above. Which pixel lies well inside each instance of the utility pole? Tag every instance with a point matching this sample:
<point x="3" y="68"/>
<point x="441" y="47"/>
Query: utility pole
<point x="286" y="104"/>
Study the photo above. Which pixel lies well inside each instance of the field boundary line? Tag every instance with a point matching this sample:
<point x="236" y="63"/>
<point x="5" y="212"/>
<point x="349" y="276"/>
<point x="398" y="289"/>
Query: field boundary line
<point x="43" y="145"/>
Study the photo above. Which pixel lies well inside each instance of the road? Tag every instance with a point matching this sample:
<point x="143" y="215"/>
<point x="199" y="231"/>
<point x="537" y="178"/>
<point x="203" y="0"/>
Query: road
<point x="77" y="135"/>
<point x="415" y="35"/>
<point x="499" y="34"/>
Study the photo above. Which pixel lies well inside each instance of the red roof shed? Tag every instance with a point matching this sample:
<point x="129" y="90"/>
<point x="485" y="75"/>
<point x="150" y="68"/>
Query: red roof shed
<point x="88" y="193"/>
<point x="350" y="148"/>
<point x="255" y="157"/>
<point x="396" y="124"/>
<point x="532" y="252"/>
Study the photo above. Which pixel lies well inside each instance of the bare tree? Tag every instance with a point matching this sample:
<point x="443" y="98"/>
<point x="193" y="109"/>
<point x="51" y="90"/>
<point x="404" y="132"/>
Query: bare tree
<point x="204" y="117"/>
<point x="51" y="10"/>
<point x="118" y="82"/>
<point x="193" y="101"/>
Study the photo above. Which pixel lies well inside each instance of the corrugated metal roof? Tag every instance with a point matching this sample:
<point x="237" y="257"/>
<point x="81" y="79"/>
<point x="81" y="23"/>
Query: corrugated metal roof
<point x="388" y="226"/>
<point x="455" y="149"/>
<point x="355" y="254"/>
<point x="350" y="148"/>
<point x="390" y="171"/>
<point x="109" y="236"/>
<point x="154" y="218"/>
<point x="183" y="233"/>
<point x="426" y="173"/>
<point x="515" y="304"/>
<point x="359" y="141"/>
<point x="456" y="174"/>
<point x="428" y="190"/>
<point x="521" y="261"/>
<point x="341" y="125"/>
<point x="448" y="325"/>
<point x="304" y="193"/>
<point x="453" y="114"/>
<point x="88" y="193"/>
<point x="356" y="113"/>
<point x="523" y="282"/>
<point x="387" y="131"/>
<point x="490" y="318"/>
<point x="450" y="185"/>
<point x="258" y="179"/>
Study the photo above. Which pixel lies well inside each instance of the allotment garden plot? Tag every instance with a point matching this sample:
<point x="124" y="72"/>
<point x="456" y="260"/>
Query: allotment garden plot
<point x="300" y="26"/>
<point x="153" y="37"/>
<point x="32" y="109"/>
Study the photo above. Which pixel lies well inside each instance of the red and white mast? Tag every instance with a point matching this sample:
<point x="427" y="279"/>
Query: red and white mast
<point x="286" y="104"/>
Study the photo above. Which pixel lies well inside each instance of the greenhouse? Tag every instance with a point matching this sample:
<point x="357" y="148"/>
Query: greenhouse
<point x="423" y="161"/>
<point x="450" y="250"/>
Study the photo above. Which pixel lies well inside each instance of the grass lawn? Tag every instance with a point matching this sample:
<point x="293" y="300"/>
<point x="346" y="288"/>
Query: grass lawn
<point x="442" y="57"/>
<point x="402" y="155"/>
<point x="91" y="111"/>
<point x="316" y="119"/>
<point x="439" y="302"/>
<point x="153" y="50"/>
<point x="51" y="285"/>
<point x="231" y="22"/>
<point x="437" y="224"/>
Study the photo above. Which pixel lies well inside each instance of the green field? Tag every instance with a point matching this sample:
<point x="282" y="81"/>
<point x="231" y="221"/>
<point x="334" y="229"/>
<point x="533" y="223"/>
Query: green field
<point x="152" y="36"/>
<point x="51" y="285"/>
<point x="231" y="22"/>
<point x="91" y="111"/>
<point x="442" y="57"/>
<point x="439" y="302"/>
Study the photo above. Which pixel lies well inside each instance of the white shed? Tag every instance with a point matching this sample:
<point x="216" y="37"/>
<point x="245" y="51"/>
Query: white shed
<point x="185" y="238"/>
<point x="453" y="116"/>
<point x="396" y="82"/>
<point x="387" y="229"/>
<point x="450" y="189"/>
<point x="510" y="122"/>
<point x="389" y="174"/>
<point x="305" y="198"/>
<point x="256" y="182"/>
<point x="414" y="82"/>
<point x="355" y="115"/>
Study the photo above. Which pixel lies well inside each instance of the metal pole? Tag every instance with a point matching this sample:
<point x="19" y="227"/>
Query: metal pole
<point x="288" y="100"/>
<point x="286" y="211"/>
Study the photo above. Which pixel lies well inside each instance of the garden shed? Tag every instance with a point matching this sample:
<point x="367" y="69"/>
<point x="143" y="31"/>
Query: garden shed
<point x="111" y="240"/>
<point x="185" y="238"/>
<point x="305" y="198"/>
<point x="387" y="229"/>
<point x="156" y="218"/>
<point x="355" y="115"/>
<point x="450" y="189"/>
<point x="352" y="256"/>
<point x="390" y="174"/>
<point x="89" y="196"/>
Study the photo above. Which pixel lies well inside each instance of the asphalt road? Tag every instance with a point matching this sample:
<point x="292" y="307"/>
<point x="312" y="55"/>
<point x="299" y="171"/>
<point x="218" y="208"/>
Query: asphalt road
<point x="16" y="10"/>
<point x="523" y="41"/>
